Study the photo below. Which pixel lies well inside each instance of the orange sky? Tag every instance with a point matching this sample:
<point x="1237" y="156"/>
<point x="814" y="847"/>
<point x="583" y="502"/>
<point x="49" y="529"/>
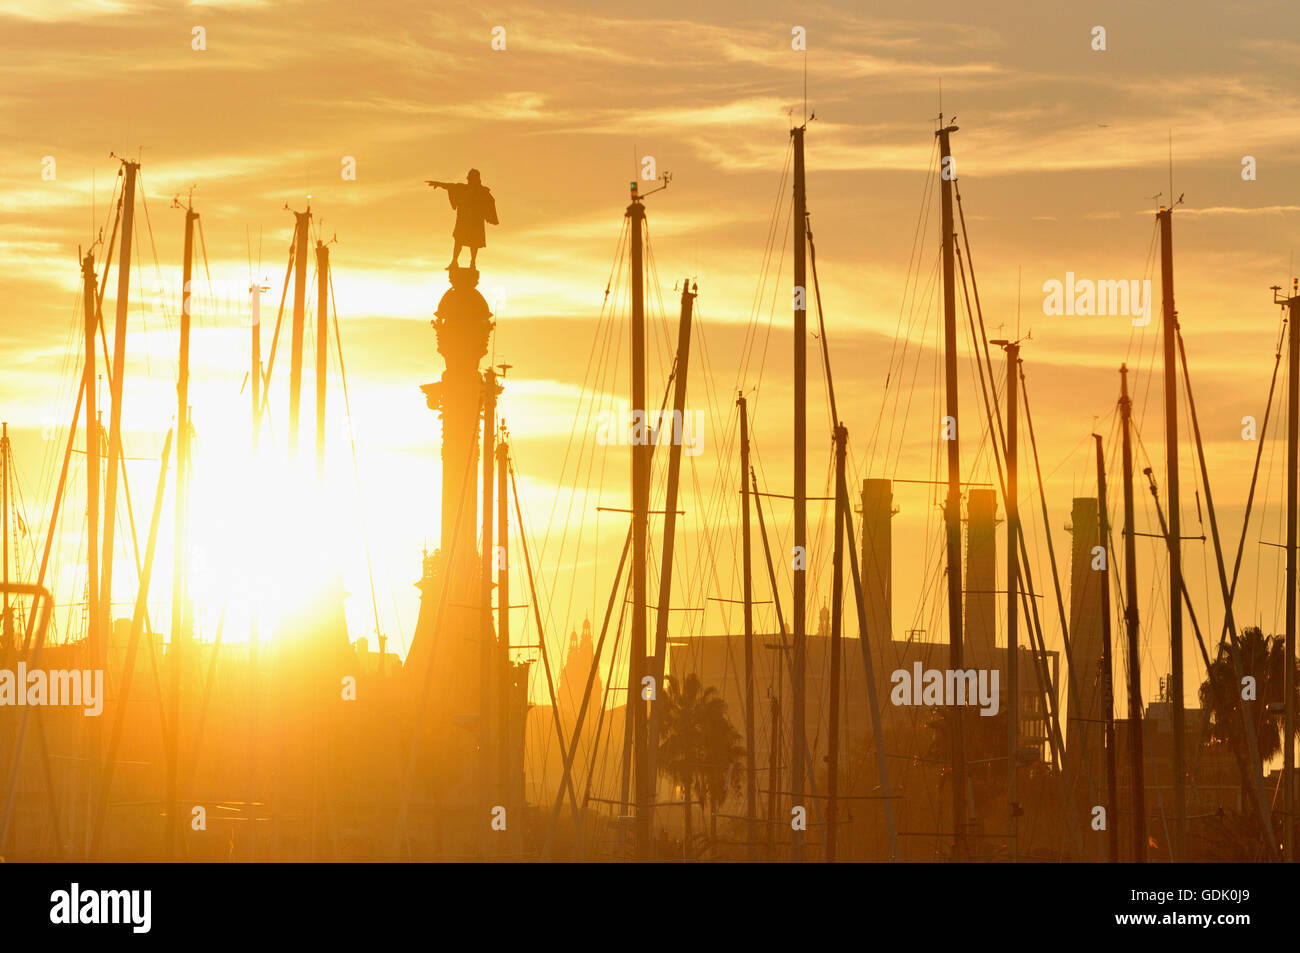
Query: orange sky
<point x="1060" y="152"/>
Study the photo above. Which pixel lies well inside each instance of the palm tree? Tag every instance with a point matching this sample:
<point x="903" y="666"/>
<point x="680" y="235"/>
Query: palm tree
<point x="1263" y="657"/>
<point x="700" y="747"/>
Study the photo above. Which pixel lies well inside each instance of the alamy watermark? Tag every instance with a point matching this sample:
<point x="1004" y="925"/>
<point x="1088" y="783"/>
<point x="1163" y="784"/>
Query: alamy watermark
<point x="131" y="907"/>
<point x="1084" y="296"/>
<point x="56" y="687"/>
<point x="226" y="300"/>
<point x="621" y="428"/>
<point x="946" y="687"/>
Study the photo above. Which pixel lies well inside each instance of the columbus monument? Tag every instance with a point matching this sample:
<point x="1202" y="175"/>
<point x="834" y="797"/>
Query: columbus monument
<point x="469" y="699"/>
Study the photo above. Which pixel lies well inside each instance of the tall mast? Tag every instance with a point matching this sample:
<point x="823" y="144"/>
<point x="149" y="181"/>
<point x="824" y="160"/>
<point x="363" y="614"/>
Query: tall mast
<point x="302" y="224"/>
<point x="503" y="621"/>
<point x="487" y="645"/>
<point x="182" y="429"/>
<point x="98" y="647"/>
<point x="322" y="348"/>
<point x="94" y="620"/>
<point x="255" y="376"/>
<point x="1013" y="594"/>
<point x="640" y="520"/>
<point x="1292" y="466"/>
<point x="255" y="365"/>
<point x="179" y="587"/>
<point x="1131" y="629"/>
<point x="1107" y="667"/>
<point x="775" y="745"/>
<point x="179" y="633"/>
<point x="751" y="782"/>
<point x="798" y="732"/>
<point x="837" y="622"/>
<point x="1169" y="344"/>
<point x="952" y="505"/>
<point x="6" y="622"/>
<point x="773" y="769"/>
<point x="92" y="450"/>
<point x="680" y="375"/>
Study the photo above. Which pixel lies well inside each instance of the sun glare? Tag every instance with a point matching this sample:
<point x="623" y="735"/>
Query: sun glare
<point x="264" y="542"/>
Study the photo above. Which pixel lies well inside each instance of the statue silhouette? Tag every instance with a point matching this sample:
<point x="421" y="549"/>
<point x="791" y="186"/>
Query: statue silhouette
<point x="474" y="205"/>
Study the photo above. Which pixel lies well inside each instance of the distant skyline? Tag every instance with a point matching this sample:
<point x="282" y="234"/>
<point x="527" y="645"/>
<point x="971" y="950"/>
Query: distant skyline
<point x="1060" y="155"/>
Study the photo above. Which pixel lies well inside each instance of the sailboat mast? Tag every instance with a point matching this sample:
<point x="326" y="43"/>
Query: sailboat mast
<point x="952" y="505"/>
<point x="94" y="600"/>
<point x="640" y="526"/>
<point x="798" y="733"/>
<point x="183" y="443"/>
<point x="254" y="634"/>
<point x="1169" y="344"/>
<point x="680" y="377"/>
<point x="837" y="622"/>
<point x="1293" y="466"/>
<point x="179" y="636"/>
<point x="503" y="623"/>
<point x="487" y="644"/>
<point x="6" y="626"/>
<point x="98" y="647"/>
<point x="255" y="364"/>
<point x="322" y="348"/>
<point x="1013" y="594"/>
<point x="751" y="782"/>
<point x="1137" y="782"/>
<point x="1107" y="667"/>
<point x="302" y="223"/>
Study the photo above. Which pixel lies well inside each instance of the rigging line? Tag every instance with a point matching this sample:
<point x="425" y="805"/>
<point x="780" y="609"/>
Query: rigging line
<point x="1042" y="494"/>
<point x="911" y="282"/>
<point x="1229" y="624"/>
<point x="582" y="517"/>
<point x="713" y="524"/>
<point x="105" y="768"/>
<point x="1254" y="476"/>
<point x="356" y="466"/>
<point x="203" y="244"/>
<point x="599" y="388"/>
<point x="1156" y="347"/>
<point x="537" y="613"/>
<point x="570" y="751"/>
<point x="1071" y="686"/>
<point x="992" y="408"/>
<point x="928" y="311"/>
<point x="774" y="221"/>
<point x="785" y="642"/>
<point x="615" y="271"/>
<point x="1274" y="444"/>
<point x="771" y="317"/>
<point x="910" y="277"/>
<point x="994" y="415"/>
<point x="279" y="319"/>
<point x="821" y="324"/>
<point x="1070" y="456"/>
<point x="610" y="683"/>
<point x="716" y="506"/>
<point x="1215" y="687"/>
<point x="591" y="392"/>
<point x="663" y="404"/>
<point x="157" y="266"/>
<point x="1147" y="269"/>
